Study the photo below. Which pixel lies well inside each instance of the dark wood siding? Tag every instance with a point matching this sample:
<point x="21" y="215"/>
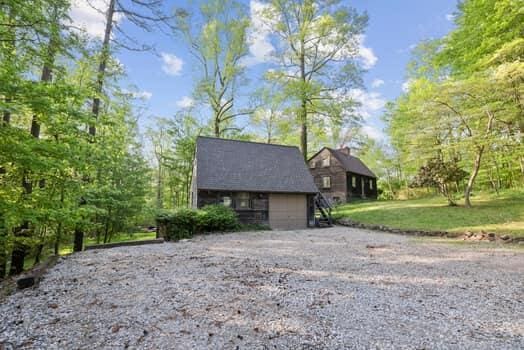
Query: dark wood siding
<point x="256" y="213"/>
<point x="336" y="173"/>
<point x="360" y="186"/>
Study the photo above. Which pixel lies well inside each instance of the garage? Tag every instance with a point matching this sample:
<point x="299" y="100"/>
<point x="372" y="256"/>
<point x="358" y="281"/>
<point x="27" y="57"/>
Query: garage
<point x="287" y="211"/>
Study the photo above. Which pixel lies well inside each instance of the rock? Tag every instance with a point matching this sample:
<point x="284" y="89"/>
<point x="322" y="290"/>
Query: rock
<point x="491" y="234"/>
<point x="505" y="237"/>
<point x="468" y="234"/>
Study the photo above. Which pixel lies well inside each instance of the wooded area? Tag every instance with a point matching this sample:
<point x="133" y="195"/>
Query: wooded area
<point x="74" y="163"/>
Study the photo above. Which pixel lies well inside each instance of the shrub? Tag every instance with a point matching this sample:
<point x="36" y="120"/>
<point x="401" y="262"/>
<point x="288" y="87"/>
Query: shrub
<point x="178" y="225"/>
<point x="184" y="223"/>
<point x="217" y="218"/>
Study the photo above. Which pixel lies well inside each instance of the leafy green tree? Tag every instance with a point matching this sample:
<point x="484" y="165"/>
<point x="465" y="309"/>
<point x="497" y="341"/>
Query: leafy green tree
<point x="318" y="43"/>
<point x="440" y="174"/>
<point x="216" y="36"/>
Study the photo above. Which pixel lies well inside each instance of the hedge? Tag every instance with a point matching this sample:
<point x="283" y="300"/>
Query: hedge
<point x="184" y="223"/>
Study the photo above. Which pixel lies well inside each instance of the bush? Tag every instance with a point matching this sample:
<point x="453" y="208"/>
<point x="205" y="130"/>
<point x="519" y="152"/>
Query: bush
<point x="178" y="225"/>
<point x="184" y="223"/>
<point x="217" y="218"/>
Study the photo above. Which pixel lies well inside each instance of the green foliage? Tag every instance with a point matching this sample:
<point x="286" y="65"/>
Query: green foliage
<point x="464" y="99"/>
<point x="216" y="34"/>
<point x="185" y="222"/>
<point x="217" y="218"/>
<point x="316" y="51"/>
<point x="440" y="174"/>
<point x="503" y="213"/>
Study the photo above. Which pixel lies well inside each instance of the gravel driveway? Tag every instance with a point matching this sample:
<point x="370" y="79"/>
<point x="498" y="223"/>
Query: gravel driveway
<point x="337" y="288"/>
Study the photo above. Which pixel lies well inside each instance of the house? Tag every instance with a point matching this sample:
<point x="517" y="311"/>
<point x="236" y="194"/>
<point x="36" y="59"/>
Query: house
<point x="341" y="176"/>
<point x="264" y="183"/>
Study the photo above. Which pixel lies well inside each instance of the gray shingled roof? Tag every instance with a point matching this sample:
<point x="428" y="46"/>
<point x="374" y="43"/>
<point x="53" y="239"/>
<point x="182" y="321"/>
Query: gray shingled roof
<point x="352" y="164"/>
<point x="249" y="166"/>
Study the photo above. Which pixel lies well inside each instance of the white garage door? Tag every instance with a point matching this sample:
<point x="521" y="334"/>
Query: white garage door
<point x="287" y="211"/>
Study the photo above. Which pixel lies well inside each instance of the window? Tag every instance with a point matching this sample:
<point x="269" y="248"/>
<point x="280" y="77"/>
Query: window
<point x="312" y="164"/>
<point x="243" y="200"/>
<point x="325" y="162"/>
<point x="226" y="201"/>
<point x="370" y="184"/>
<point x="353" y="181"/>
<point x="326" y="182"/>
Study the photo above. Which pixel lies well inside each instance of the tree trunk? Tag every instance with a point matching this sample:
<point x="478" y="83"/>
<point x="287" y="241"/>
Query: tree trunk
<point x="38" y="254"/>
<point x="159" y="199"/>
<point x="217" y="127"/>
<point x="20" y="249"/>
<point x="79" y="240"/>
<point x="104" y="57"/>
<point x="3" y="248"/>
<point x="472" y="177"/>
<point x="303" y="105"/>
<point x="476" y="164"/>
<point x="6" y="118"/>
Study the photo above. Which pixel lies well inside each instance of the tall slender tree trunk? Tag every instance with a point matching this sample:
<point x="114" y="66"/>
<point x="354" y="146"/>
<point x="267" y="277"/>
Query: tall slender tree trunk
<point x="104" y="57"/>
<point x="6" y="117"/>
<point x="159" y="185"/>
<point x="477" y="162"/>
<point x="303" y="105"/>
<point x="473" y="176"/>
<point x="20" y="248"/>
<point x="3" y="248"/>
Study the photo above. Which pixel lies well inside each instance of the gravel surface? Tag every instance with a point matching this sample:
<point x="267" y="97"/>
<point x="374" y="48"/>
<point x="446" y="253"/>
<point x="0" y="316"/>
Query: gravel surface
<point x="336" y="288"/>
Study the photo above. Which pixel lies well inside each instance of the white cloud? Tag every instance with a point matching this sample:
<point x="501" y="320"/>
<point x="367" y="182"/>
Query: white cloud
<point x="366" y="54"/>
<point x="172" y="65"/>
<point x="89" y="15"/>
<point x="146" y="95"/>
<point x="371" y="102"/>
<point x="185" y="102"/>
<point x="258" y="37"/>
<point x="373" y="132"/>
<point x="406" y="85"/>
<point x="450" y="17"/>
<point x="377" y="83"/>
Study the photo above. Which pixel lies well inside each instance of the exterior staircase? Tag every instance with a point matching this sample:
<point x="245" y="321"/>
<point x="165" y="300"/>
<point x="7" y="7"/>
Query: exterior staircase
<point x="322" y="211"/>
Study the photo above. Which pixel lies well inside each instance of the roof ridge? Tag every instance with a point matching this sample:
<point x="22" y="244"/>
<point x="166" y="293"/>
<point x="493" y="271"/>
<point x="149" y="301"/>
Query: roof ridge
<point x="245" y="141"/>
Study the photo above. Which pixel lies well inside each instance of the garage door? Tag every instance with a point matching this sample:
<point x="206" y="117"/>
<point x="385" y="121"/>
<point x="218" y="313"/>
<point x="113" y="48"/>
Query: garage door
<point x="287" y="211"/>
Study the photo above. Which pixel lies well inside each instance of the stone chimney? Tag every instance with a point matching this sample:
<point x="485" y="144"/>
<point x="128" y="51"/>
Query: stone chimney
<point x="345" y="150"/>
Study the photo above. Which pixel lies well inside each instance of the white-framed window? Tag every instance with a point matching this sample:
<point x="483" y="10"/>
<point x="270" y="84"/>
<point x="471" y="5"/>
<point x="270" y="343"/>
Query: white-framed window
<point x="242" y="201"/>
<point x="226" y="201"/>
<point x="326" y="182"/>
<point x="325" y="162"/>
<point x="312" y="164"/>
<point x="353" y="181"/>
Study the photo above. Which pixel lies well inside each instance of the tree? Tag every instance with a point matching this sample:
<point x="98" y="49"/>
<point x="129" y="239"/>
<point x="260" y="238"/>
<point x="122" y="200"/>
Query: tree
<point x="464" y="100"/>
<point x="318" y="42"/>
<point x="440" y="174"/>
<point x="216" y="37"/>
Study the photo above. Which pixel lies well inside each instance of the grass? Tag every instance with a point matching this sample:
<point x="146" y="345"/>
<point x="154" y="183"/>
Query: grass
<point x="68" y="249"/>
<point x="124" y="237"/>
<point x="502" y="213"/>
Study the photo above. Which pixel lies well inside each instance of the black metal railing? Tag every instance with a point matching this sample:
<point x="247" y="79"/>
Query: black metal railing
<point x="322" y="211"/>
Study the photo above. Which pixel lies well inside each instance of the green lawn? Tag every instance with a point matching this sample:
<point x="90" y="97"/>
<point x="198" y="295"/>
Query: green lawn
<point x="67" y="249"/>
<point x="502" y="214"/>
<point x="124" y="237"/>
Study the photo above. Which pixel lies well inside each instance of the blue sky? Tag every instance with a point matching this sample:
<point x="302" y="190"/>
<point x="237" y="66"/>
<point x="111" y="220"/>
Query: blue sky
<point x="165" y="80"/>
